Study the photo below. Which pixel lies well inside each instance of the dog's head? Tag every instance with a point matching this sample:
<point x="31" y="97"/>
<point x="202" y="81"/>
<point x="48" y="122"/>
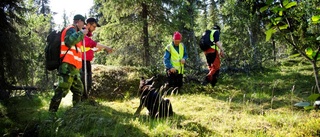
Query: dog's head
<point x="145" y="83"/>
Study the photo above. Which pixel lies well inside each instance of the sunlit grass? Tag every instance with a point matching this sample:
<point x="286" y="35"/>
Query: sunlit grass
<point x="255" y="105"/>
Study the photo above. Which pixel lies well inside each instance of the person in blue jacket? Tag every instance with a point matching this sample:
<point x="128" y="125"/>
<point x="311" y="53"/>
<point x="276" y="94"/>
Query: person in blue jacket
<point x="174" y="60"/>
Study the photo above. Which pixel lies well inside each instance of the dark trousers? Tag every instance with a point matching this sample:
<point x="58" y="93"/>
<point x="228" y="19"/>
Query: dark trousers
<point x="174" y="79"/>
<point x="89" y="79"/>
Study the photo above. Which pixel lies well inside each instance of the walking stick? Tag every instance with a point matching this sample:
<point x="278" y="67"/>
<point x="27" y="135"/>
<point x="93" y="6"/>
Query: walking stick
<point x="85" y="68"/>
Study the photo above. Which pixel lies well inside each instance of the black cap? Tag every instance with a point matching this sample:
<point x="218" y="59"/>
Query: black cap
<point x="90" y="20"/>
<point x="79" y="17"/>
<point x="216" y="27"/>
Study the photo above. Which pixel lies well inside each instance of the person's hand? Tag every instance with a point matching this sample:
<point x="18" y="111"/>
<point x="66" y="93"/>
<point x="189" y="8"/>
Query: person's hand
<point x="109" y="50"/>
<point x="84" y="31"/>
<point x="172" y="70"/>
<point x="222" y="53"/>
<point x="182" y="61"/>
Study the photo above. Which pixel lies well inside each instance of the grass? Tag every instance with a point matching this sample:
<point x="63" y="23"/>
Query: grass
<point x="259" y="104"/>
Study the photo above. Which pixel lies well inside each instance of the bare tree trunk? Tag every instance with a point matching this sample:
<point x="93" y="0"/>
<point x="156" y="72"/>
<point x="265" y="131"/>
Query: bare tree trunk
<point x="252" y="39"/>
<point x="145" y="34"/>
<point x="196" y="53"/>
<point x="274" y="50"/>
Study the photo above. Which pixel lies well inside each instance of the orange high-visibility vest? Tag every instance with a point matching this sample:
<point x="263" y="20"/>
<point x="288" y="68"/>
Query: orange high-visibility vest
<point x="74" y="55"/>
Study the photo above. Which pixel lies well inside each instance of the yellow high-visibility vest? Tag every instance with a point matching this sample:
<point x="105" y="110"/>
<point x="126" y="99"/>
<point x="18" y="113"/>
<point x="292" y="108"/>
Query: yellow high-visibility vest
<point x="212" y="39"/>
<point x="176" y="57"/>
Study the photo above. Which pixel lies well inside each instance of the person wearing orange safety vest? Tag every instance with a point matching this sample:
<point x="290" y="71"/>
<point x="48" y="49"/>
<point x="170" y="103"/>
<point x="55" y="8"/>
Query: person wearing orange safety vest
<point x="213" y="57"/>
<point x="174" y="59"/>
<point x="89" y="48"/>
<point x="69" y="70"/>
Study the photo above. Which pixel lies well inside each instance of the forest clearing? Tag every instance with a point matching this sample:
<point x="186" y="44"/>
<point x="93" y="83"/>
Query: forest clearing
<point x="258" y="77"/>
<point x="241" y="105"/>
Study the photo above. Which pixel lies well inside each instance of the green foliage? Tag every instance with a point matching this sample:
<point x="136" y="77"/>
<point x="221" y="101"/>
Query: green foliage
<point x="124" y="29"/>
<point x="313" y="97"/>
<point x="276" y="20"/>
<point x="12" y="63"/>
<point x="312" y="54"/>
<point x="295" y="22"/>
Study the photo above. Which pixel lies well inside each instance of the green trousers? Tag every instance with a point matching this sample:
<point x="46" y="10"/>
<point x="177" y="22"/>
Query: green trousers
<point x="69" y="79"/>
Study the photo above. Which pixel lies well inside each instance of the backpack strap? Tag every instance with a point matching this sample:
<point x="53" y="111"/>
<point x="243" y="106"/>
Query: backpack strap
<point x="65" y="29"/>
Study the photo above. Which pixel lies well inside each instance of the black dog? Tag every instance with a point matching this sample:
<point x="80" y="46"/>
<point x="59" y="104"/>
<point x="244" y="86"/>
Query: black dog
<point x="152" y="99"/>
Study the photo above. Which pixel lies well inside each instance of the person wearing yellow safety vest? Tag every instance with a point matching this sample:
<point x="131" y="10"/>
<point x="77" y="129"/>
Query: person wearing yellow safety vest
<point x="174" y="59"/>
<point x="213" y="57"/>
<point x="69" y="70"/>
<point x="89" y="49"/>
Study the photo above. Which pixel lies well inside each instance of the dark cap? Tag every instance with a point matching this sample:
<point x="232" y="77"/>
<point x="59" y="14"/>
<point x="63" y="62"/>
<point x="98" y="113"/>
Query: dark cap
<point x="91" y="20"/>
<point x="79" y="17"/>
<point x="216" y="27"/>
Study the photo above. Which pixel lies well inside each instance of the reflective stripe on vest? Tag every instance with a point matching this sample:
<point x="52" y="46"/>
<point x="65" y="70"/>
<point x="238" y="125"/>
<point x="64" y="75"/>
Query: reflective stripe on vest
<point x="212" y="39"/>
<point x="73" y="56"/>
<point x="176" y="57"/>
<point x="85" y="48"/>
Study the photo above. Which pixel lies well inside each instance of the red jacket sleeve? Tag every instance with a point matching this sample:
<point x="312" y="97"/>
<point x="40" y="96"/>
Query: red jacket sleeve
<point x="89" y="42"/>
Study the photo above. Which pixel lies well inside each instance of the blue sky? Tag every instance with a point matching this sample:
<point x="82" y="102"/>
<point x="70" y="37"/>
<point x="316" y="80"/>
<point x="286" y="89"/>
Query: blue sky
<point x="72" y="8"/>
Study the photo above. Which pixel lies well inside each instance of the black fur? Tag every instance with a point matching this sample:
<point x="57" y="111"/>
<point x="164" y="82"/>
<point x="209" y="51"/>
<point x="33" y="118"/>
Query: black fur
<point x="152" y="99"/>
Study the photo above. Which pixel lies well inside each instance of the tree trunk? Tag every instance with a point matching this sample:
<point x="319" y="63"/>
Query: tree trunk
<point x="274" y="50"/>
<point x="145" y="34"/>
<point x="315" y="71"/>
<point x="256" y="54"/>
<point x="4" y="94"/>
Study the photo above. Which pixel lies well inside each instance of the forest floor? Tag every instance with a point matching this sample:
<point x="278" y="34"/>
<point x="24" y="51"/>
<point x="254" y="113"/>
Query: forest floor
<point x="255" y="104"/>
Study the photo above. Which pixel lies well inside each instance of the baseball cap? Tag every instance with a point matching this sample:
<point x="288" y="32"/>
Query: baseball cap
<point x="89" y="20"/>
<point x="79" y="17"/>
<point x="216" y="27"/>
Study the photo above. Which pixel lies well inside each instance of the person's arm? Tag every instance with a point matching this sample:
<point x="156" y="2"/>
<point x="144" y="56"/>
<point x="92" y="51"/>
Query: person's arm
<point x="100" y="46"/>
<point x="218" y="43"/>
<point x="185" y="54"/>
<point x="73" y="37"/>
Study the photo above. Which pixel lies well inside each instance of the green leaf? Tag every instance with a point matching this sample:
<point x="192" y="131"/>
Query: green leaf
<point x="314" y="54"/>
<point x="269" y="34"/>
<point x="294" y="55"/>
<point x="284" y="27"/>
<point x="313" y="97"/>
<point x="315" y="18"/>
<point x="285" y="2"/>
<point x="318" y="38"/>
<point x="308" y="107"/>
<point x="309" y="52"/>
<point x="264" y="8"/>
<point x="276" y="21"/>
<point x="280" y="13"/>
<point x="277" y="9"/>
<point x="269" y="25"/>
<point x="269" y="2"/>
<point x="294" y="3"/>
